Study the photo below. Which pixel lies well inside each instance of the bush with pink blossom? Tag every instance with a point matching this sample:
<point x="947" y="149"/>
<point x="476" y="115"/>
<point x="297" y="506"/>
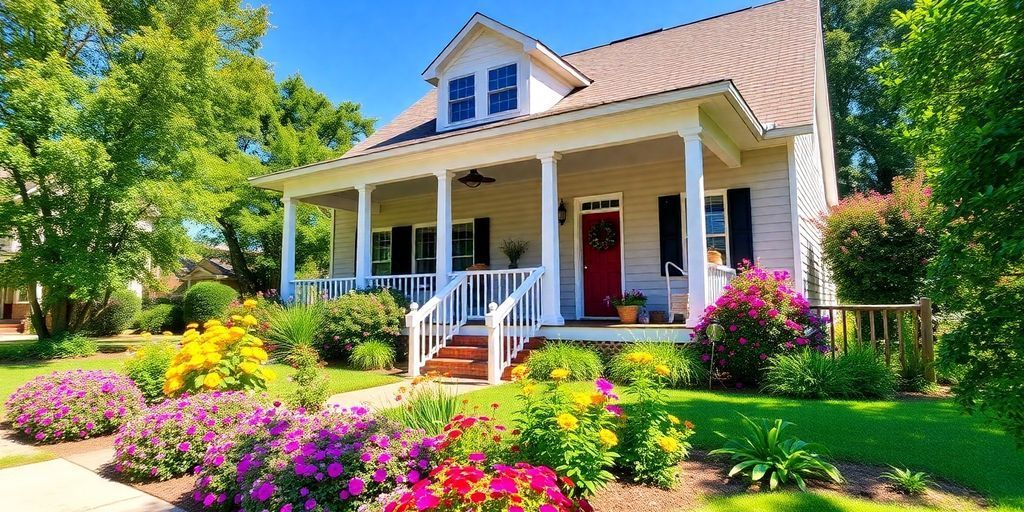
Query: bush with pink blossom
<point x="170" y="438"/>
<point x="470" y="434"/>
<point x="457" y="487"/>
<point x="341" y="460"/>
<point x="72" y="405"/>
<point x="761" y="315"/>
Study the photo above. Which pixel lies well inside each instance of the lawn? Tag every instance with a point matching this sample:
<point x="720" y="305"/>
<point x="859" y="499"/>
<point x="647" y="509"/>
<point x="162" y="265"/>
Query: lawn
<point x="930" y="435"/>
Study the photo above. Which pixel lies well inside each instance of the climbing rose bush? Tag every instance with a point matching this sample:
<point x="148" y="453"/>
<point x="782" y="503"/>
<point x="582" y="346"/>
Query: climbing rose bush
<point x="455" y="487"/>
<point x="71" y="405"/>
<point x="338" y="460"/>
<point x="169" y="439"/>
<point x="222" y="357"/>
<point x="761" y="316"/>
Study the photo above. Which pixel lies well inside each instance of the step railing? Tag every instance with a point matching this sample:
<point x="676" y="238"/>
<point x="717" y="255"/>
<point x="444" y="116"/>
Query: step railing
<point x="487" y="286"/>
<point x="434" y="323"/>
<point x="511" y="324"/>
<point x="308" y="291"/>
<point x="418" y="288"/>
<point x="718" y="277"/>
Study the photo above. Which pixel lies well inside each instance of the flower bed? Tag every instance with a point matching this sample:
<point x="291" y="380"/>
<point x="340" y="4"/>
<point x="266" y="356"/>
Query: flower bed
<point x="73" y="405"/>
<point x="760" y="315"/>
<point x="170" y="438"/>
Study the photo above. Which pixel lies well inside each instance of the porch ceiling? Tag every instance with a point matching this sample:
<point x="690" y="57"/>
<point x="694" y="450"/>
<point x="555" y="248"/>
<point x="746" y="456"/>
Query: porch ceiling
<point x="592" y="160"/>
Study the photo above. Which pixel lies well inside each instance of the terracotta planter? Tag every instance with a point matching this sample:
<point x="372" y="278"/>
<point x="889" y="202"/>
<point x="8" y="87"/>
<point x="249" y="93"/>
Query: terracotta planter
<point x="628" y="314"/>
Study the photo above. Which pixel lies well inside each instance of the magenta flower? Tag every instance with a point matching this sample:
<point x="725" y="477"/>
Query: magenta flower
<point x="265" y="491"/>
<point x="356" y="486"/>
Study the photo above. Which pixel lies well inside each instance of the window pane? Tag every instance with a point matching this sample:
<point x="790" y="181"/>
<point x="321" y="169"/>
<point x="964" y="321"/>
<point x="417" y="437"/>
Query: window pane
<point x="718" y="243"/>
<point x="461" y="103"/>
<point x="714" y="214"/>
<point x="501" y="78"/>
<point x="460" y="88"/>
<point x="461" y="263"/>
<point x="380" y="253"/>
<point x="503" y="100"/>
<point x="381" y="268"/>
<point x="461" y="110"/>
<point x="425" y="238"/>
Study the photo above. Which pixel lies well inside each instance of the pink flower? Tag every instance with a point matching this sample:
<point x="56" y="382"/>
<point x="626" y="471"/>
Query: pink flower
<point x="742" y="341"/>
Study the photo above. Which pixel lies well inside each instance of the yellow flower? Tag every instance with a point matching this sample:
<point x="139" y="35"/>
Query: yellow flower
<point x="212" y="380"/>
<point x="167" y="333"/>
<point x="249" y="303"/>
<point x="528" y="389"/>
<point x="211" y="323"/>
<point x="250" y="320"/>
<point x="673" y="420"/>
<point x="171" y="385"/>
<point x="246" y="351"/>
<point x="236" y="332"/>
<point x="147" y="335"/>
<point x="196" y="361"/>
<point x="192" y="326"/>
<point x="559" y="373"/>
<point x="213" y="357"/>
<point x="236" y="318"/>
<point x="259" y="354"/>
<point x="248" y="367"/>
<point x="208" y="347"/>
<point x="582" y="400"/>
<point x="608" y="438"/>
<point x="567" y="421"/>
<point x="640" y="357"/>
<point x="268" y="374"/>
<point x="598" y="398"/>
<point x="519" y="372"/>
<point x="662" y="370"/>
<point x="668" y="444"/>
<point x="174" y="371"/>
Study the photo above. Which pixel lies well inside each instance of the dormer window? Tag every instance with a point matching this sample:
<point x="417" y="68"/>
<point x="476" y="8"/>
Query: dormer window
<point x="461" y="99"/>
<point x="502" y="93"/>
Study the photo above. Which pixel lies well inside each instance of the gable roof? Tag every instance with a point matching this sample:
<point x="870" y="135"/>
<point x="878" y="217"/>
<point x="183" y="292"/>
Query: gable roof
<point x="767" y="52"/>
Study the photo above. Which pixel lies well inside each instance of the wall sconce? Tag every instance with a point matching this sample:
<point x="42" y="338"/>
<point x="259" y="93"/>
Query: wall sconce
<point x="562" y="212"/>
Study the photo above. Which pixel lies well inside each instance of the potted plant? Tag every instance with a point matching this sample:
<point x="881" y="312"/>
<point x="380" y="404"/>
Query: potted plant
<point x="628" y="305"/>
<point x="514" y="250"/>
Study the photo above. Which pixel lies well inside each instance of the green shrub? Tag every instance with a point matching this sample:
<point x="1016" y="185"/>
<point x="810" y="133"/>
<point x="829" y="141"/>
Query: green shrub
<point x="377" y="314"/>
<point x="583" y="363"/>
<point x="373" y="355"/>
<point x="868" y="373"/>
<point x="160" y="317"/>
<point x="906" y="481"/>
<point x="312" y="388"/>
<point x="425" y="405"/>
<point x="292" y="327"/>
<point x="148" y="368"/>
<point x="682" y="360"/>
<point x="63" y="346"/>
<point x="118" y="315"/>
<point x="856" y="373"/>
<point x="764" y="454"/>
<point x="207" y="300"/>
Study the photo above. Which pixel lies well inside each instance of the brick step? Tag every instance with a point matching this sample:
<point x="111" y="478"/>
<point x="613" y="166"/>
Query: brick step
<point x="463" y="340"/>
<point x="10" y="328"/>
<point x="465" y="368"/>
<point x="476" y="353"/>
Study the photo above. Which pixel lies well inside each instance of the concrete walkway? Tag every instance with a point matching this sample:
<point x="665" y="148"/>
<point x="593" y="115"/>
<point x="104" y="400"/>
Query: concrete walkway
<point x="383" y="397"/>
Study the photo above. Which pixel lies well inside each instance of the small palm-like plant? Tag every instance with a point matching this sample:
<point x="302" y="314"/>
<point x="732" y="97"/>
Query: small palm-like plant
<point x="294" y="326"/>
<point x="907" y="481"/>
<point x="763" y="453"/>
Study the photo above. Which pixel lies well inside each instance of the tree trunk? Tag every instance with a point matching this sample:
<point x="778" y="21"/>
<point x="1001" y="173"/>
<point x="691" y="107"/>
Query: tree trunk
<point x="247" y="280"/>
<point x="38" y="315"/>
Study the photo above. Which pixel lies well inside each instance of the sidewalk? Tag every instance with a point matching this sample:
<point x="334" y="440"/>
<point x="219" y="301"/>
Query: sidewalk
<point x="383" y="397"/>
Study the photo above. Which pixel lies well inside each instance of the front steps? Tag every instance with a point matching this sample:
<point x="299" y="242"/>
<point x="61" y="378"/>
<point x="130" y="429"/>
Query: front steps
<point x="465" y="356"/>
<point x="10" y="327"/>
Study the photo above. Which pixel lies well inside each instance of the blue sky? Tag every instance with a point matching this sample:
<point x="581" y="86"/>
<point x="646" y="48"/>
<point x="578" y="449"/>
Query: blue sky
<point x="373" y="52"/>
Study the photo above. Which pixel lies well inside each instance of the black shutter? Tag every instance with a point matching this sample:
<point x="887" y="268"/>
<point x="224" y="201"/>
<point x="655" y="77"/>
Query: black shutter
<point x="741" y="228"/>
<point x="401" y="250"/>
<point x="670" y="231"/>
<point x="482" y="240"/>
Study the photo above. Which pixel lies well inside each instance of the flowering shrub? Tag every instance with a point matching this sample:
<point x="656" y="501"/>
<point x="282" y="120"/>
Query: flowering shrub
<point x="466" y="436"/>
<point x="878" y="246"/>
<point x="653" y="441"/>
<point x="73" y="405"/>
<point x="341" y="460"/>
<point x="376" y="314"/>
<point x="148" y="366"/>
<point x="762" y="316"/>
<point x="454" y="487"/>
<point x="222" y="357"/>
<point x="170" y="438"/>
<point x="630" y="298"/>
<point x="572" y="433"/>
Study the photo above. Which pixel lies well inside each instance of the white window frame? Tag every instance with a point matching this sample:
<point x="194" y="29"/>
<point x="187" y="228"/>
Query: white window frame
<point x="472" y="99"/>
<point x="725" y="206"/>
<point x="487" y="76"/>
<point x="434" y="225"/>
<point x="374" y="262"/>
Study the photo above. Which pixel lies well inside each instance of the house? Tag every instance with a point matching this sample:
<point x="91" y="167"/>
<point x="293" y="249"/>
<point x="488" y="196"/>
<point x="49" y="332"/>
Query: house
<point x="618" y="164"/>
<point x="205" y="269"/>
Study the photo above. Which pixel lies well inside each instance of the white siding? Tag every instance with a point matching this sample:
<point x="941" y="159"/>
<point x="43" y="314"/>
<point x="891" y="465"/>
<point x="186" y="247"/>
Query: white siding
<point x="514" y="210"/>
<point x="811" y="204"/>
<point x="545" y="90"/>
<point x="487" y="50"/>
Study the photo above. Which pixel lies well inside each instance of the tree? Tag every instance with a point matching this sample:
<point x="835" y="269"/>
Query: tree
<point x="960" y="74"/>
<point x="108" y="111"/>
<point x="869" y="151"/>
<point x="302" y="127"/>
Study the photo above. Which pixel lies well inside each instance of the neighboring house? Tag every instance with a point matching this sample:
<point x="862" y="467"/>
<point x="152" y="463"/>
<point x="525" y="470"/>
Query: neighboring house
<point x="617" y="164"/>
<point x="192" y="272"/>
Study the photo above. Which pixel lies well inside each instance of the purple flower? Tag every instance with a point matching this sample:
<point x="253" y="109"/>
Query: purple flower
<point x="614" y="409"/>
<point x="310" y="504"/>
<point x="184" y="446"/>
<point x="265" y="491"/>
<point x="356" y="486"/>
<point x="334" y="470"/>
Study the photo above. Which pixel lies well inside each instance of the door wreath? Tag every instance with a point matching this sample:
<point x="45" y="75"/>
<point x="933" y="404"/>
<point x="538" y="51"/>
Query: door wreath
<point x="602" y="235"/>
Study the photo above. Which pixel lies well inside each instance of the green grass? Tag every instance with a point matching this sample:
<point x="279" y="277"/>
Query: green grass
<point x="341" y="380"/>
<point x="928" y="435"/>
<point x="21" y="459"/>
<point x="802" y="502"/>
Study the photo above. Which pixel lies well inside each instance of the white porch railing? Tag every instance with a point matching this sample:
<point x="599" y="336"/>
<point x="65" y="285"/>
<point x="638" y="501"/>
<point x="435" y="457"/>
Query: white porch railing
<point x="435" y="322"/>
<point x="511" y="324"/>
<point x="718" y="277"/>
<point x="308" y="291"/>
<point x="487" y="286"/>
<point x="418" y="288"/>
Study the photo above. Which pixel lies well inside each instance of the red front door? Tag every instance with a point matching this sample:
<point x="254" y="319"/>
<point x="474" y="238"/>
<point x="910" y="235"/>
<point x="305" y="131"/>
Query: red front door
<point x="602" y="268"/>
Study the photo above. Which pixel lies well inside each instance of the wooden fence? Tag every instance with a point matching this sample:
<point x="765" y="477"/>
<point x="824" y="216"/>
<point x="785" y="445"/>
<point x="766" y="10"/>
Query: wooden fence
<point x="891" y="328"/>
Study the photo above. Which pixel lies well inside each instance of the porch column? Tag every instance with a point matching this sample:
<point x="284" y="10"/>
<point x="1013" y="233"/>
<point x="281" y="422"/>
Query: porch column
<point x="696" y="231"/>
<point x="287" y="290"/>
<point x="551" y="290"/>
<point x="443" y="245"/>
<point x="364" y="236"/>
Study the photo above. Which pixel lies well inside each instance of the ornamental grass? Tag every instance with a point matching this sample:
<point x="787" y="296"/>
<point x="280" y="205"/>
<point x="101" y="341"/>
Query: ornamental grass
<point x="169" y="439"/>
<point x="72" y="405"/>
